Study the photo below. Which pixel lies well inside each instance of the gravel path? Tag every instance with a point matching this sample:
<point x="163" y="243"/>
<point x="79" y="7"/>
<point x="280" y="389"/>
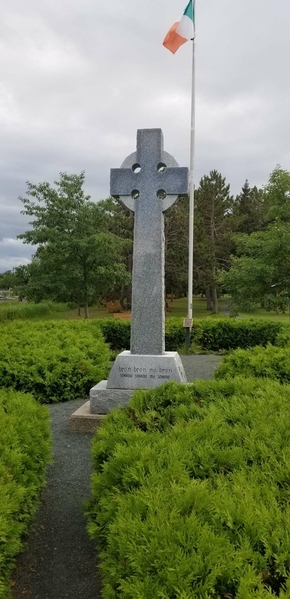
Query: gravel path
<point x="200" y="367"/>
<point x="60" y="560"/>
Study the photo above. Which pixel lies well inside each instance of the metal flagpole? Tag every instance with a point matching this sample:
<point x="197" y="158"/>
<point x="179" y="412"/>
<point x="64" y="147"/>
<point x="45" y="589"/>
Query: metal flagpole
<point x="188" y="321"/>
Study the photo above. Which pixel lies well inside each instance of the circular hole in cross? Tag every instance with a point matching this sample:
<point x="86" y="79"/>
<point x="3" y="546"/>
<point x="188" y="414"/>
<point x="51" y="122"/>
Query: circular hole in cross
<point x="135" y="194"/>
<point x="161" y="194"/>
<point x="136" y="168"/>
<point x="161" y="167"/>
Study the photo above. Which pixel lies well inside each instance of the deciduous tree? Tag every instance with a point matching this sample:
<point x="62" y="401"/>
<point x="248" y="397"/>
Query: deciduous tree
<point x="77" y="258"/>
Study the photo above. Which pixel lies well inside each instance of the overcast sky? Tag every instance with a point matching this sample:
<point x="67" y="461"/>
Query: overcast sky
<point x="77" y="79"/>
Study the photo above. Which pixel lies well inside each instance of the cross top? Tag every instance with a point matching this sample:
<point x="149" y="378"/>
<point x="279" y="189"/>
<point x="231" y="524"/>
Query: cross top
<point x="149" y="172"/>
<point x="148" y="183"/>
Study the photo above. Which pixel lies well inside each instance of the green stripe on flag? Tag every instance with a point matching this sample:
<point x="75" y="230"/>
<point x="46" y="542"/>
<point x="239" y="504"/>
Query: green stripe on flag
<point x="189" y="11"/>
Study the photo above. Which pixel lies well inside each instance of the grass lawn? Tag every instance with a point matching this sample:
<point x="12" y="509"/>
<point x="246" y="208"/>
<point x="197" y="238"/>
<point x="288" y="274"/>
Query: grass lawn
<point x="178" y="308"/>
<point x="266" y="315"/>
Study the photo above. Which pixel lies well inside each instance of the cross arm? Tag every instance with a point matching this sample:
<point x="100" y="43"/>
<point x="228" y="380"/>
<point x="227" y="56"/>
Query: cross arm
<point x="122" y="182"/>
<point x="174" y="180"/>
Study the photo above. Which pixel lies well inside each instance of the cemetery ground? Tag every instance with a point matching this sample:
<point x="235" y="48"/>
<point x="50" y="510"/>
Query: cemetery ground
<point x="190" y="494"/>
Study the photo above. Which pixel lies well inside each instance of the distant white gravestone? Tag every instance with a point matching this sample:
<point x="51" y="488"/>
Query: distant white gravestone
<point x="148" y="183"/>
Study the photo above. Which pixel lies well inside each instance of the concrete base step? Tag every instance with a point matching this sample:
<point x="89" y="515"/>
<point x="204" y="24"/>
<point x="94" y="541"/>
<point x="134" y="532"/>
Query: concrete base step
<point x="82" y="421"/>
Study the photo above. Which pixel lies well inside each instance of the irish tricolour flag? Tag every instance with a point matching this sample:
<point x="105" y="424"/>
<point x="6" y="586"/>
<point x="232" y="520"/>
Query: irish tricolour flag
<point x="182" y="31"/>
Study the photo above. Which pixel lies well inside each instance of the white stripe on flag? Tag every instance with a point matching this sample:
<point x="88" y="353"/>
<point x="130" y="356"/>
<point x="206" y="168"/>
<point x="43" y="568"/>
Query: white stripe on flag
<point x="185" y="28"/>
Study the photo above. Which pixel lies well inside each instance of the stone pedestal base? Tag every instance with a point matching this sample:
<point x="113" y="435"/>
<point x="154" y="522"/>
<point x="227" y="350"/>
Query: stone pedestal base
<point x="103" y="400"/>
<point x="134" y="371"/>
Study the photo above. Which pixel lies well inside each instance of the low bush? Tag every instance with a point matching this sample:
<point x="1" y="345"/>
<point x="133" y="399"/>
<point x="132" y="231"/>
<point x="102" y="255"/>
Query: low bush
<point x="16" y="311"/>
<point x="210" y="335"/>
<point x="191" y="493"/>
<point x="54" y="360"/>
<point x="283" y="337"/>
<point x="271" y="362"/>
<point x="174" y="334"/>
<point x="229" y="334"/>
<point x="116" y="332"/>
<point x="24" y="454"/>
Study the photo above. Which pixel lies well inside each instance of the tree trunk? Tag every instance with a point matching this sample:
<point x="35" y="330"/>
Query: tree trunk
<point x="215" y="308"/>
<point x="79" y="309"/>
<point x="214" y="292"/>
<point x="87" y="309"/>
<point x="208" y="298"/>
<point x="126" y="295"/>
<point x="86" y="292"/>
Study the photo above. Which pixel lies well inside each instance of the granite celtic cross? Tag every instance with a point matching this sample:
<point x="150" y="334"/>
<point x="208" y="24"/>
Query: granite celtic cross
<point x="148" y="183"/>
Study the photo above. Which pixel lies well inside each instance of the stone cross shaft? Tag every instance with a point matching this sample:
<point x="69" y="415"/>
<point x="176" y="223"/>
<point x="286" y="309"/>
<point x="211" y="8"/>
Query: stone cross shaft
<point x="148" y="183"/>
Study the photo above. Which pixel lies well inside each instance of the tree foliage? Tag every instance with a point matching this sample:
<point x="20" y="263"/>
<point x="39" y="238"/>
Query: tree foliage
<point x="176" y="247"/>
<point x="213" y="232"/>
<point x="260" y="272"/>
<point x="249" y="209"/>
<point x="7" y="279"/>
<point x="84" y="250"/>
<point x="120" y="223"/>
<point x="77" y="258"/>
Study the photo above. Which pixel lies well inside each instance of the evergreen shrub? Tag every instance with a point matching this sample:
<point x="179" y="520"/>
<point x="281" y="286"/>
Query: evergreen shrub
<point x="15" y="310"/>
<point x="53" y="360"/>
<point x="210" y="334"/>
<point x="283" y="337"/>
<point x="190" y="493"/>
<point x="25" y="451"/>
<point x="117" y="333"/>
<point x="228" y="334"/>
<point x="271" y="362"/>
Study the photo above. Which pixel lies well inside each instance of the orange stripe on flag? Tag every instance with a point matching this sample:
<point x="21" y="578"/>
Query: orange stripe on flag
<point x="173" y="40"/>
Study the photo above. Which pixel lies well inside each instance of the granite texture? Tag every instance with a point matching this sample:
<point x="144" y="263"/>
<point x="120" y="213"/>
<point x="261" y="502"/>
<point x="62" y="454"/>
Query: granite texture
<point x="103" y="400"/>
<point x="132" y="371"/>
<point x="156" y="173"/>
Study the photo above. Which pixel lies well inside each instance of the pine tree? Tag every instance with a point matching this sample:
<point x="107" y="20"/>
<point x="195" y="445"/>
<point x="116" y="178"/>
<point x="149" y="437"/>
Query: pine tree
<point x="213" y="233"/>
<point x="250" y="209"/>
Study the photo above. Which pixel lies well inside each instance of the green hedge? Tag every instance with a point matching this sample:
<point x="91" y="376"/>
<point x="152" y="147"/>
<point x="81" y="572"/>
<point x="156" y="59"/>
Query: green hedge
<point x="271" y="362"/>
<point x="54" y="360"/>
<point x="16" y="311"/>
<point x="229" y="334"/>
<point x="209" y="334"/>
<point x="191" y="493"/>
<point x="117" y="333"/>
<point x="24" y="454"/>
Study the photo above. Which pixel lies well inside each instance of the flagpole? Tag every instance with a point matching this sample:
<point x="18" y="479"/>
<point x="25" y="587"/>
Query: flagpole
<point x="191" y="198"/>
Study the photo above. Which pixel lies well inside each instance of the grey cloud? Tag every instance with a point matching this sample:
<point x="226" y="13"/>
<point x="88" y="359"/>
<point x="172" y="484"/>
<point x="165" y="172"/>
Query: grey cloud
<point x="13" y="253"/>
<point x="78" y="79"/>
